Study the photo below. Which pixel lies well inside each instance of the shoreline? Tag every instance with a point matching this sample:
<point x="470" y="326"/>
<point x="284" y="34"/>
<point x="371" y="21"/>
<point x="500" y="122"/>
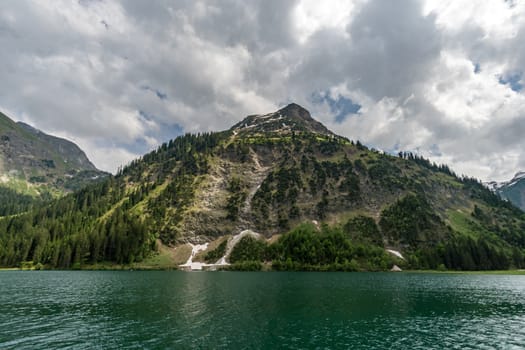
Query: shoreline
<point x="474" y="272"/>
<point x="116" y="267"/>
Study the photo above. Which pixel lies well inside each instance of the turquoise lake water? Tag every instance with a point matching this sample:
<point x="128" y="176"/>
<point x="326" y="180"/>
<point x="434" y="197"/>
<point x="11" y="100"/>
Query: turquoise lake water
<point x="245" y="310"/>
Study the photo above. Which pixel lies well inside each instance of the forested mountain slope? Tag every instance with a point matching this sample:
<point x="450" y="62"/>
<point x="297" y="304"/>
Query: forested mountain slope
<point x="270" y="173"/>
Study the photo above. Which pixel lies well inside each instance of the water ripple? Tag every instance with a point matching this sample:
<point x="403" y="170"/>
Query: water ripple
<point x="158" y="310"/>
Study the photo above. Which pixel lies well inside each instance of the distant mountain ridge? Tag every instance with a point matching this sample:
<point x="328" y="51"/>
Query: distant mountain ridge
<point x="70" y="153"/>
<point x="35" y="163"/>
<point x="513" y="190"/>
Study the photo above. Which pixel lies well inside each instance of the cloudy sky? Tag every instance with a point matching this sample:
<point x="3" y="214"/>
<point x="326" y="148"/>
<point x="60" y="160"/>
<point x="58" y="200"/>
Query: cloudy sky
<point x="442" y="78"/>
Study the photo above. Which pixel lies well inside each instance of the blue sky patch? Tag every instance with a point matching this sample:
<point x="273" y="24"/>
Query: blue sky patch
<point x="394" y="150"/>
<point x="168" y="131"/>
<point x="477" y="68"/>
<point x="146" y="116"/>
<point x="164" y="133"/>
<point x="139" y="146"/>
<point x="434" y="151"/>
<point x="342" y="107"/>
<point x="158" y="93"/>
<point x="513" y="80"/>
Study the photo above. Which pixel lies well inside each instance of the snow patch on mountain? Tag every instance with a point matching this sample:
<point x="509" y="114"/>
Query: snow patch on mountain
<point x="496" y="186"/>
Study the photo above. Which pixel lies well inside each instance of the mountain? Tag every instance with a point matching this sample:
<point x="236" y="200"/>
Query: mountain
<point x="290" y="191"/>
<point x="36" y="165"/>
<point x="291" y="119"/>
<point x="513" y="190"/>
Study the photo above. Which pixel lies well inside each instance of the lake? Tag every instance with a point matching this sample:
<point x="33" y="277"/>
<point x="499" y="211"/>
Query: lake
<point x="258" y="310"/>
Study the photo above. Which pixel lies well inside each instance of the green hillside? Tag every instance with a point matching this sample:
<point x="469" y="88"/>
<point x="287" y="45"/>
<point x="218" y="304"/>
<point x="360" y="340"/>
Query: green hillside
<point x="336" y="204"/>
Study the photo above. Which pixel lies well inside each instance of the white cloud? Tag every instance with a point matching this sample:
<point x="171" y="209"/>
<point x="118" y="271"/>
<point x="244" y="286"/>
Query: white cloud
<point x="497" y="19"/>
<point x="310" y="16"/>
<point x="104" y="157"/>
<point x="121" y="77"/>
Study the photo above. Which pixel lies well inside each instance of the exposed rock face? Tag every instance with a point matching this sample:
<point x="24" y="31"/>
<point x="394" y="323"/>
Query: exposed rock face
<point x="28" y="154"/>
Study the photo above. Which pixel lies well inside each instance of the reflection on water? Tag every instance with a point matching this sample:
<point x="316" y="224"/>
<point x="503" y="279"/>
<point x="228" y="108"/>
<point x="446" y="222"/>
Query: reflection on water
<point x="85" y="310"/>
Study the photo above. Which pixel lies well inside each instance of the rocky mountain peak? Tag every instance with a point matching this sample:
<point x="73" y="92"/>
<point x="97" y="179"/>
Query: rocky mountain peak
<point x="295" y="110"/>
<point x="292" y="118"/>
